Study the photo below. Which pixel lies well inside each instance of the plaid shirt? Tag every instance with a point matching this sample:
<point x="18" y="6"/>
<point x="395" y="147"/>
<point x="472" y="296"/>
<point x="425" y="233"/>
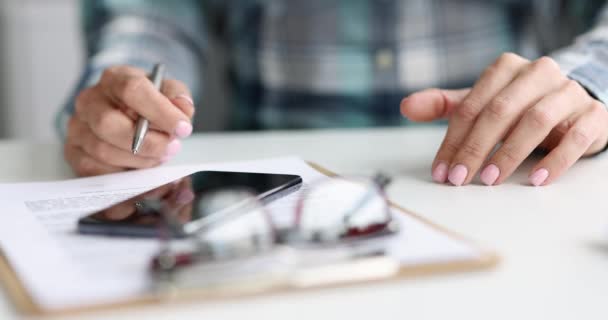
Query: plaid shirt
<point x="339" y="63"/>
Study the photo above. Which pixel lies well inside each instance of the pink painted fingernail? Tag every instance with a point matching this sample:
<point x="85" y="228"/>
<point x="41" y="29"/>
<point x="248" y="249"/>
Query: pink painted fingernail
<point x="458" y="174"/>
<point x="185" y="97"/>
<point x="440" y="174"/>
<point x="183" y="129"/>
<point x="173" y="148"/>
<point x="489" y="174"/>
<point x="538" y="177"/>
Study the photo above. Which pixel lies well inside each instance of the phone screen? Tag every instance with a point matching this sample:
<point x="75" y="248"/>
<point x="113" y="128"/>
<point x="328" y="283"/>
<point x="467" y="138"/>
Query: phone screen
<point x="185" y="198"/>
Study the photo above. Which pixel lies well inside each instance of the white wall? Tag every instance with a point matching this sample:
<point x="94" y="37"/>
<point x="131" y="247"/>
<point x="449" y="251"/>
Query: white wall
<point x="40" y="60"/>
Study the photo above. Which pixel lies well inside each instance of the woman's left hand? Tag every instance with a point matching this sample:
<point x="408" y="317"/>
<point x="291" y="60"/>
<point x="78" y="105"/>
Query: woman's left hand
<point x="523" y="104"/>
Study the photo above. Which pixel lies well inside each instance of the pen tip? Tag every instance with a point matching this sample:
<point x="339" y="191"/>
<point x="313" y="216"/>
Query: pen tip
<point x="135" y="146"/>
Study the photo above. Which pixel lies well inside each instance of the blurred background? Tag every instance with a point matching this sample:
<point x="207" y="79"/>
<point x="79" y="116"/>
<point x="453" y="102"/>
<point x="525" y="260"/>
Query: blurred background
<point x="40" y="60"/>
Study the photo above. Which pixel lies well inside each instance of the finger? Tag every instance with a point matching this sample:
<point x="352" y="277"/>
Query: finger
<point x="179" y="200"/>
<point x="492" y="81"/>
<point x="185" y="214"/>
<point x="138" y="93"/>
<point x="431" y="104"/>
<point x="602" y="141"/>
<point x="556" y="135"/>
<point x="536" y="80"/>
<point x="112" y="155"/>
<point x="114" y="127"/>
<point x="181" y="195"/>
<point x="575" y="143"/>
<point x="179" y="94"/>
<point x="185" y="199"/>
<point x="91" y="105"/>
<point x="569" y="101"/>
<point x="84" y="165"/>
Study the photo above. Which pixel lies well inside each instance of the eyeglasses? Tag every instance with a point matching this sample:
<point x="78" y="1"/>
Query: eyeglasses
<point x="239" y="239"/>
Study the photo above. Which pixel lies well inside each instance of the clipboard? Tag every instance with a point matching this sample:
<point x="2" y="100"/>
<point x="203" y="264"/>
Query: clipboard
<point x="27" y="305"/>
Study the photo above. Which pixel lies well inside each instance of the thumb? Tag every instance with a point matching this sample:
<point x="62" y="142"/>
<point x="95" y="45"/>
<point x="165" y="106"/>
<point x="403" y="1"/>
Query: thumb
<point x="431" y="104"/>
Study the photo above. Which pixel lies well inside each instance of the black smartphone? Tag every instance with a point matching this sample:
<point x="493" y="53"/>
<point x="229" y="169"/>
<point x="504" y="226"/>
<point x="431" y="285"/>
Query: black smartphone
<point x="186" y="198"/>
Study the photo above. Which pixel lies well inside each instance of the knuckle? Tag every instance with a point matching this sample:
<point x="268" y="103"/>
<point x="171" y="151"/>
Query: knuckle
<point x="173" y="88"/>
<point x="473" y="149"/>
<point x="598" y="108"/>
<point x="507" y="58"/>
<point x="109" y="73"/>
<point x="581" y="137"/>
<point x="562" y="128"/>
<point x="573" y="87"/>
<point x="132" y="85"/>
<point x="545" y="63"/>
<point x="172" y="83"/>
<point x="100" y="151"/>
<point x="499" y="108"/>
<point x="548" y="69"/>
<point x="85" y="166"/>
<point x="112" y="70"/>
<point x="468" y="110"/>
<point x="82" y="100"/>
<point x="539" y="118"/>
<point x="490" y="71"/>
<point x="169" y="86"/>
<point x="573" y="90"/>
<point x="508" y="154"/>
<point x="104" y="122"/>
<point x="450" y="147"/>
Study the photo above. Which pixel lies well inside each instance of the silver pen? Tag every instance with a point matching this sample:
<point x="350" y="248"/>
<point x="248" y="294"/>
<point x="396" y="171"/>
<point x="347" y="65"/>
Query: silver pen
<point x="157" y="75"/>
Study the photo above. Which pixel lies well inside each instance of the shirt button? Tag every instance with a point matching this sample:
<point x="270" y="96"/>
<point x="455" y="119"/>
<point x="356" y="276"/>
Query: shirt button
<point x="384" y="59"/>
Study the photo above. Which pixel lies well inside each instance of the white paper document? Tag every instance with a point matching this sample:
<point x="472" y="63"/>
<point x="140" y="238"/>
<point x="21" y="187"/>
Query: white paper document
<point x="63" y="269"/>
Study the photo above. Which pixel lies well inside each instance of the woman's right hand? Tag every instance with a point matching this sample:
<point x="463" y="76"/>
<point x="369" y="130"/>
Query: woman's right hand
<point x="101" y="130"/>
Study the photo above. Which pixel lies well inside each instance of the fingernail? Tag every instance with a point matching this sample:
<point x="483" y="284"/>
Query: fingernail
<point x="173" y="148"/>
<point x="440" y="174"/>
<point x="185" y="97"/>
<point x="489" y="174"/>
<point x="458" y="174"/>
<point x="183" y="129"/>
<point x="538" y="177"/>
<point x="184" y="196"/>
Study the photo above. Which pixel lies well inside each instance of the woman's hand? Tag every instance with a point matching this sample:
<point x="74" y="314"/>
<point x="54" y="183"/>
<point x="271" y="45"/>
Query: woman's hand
<point x="523" y="104"/>
<point x="100" y="133"/>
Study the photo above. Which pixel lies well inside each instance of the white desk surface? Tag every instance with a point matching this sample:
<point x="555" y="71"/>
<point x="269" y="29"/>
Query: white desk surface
<point x="553" y="240"/>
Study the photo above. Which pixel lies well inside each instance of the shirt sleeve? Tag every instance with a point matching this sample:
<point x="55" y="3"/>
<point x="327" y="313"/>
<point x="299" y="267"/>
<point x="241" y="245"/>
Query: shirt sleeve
<point x="586" y="60"/>
<point x="141" y="33"/>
